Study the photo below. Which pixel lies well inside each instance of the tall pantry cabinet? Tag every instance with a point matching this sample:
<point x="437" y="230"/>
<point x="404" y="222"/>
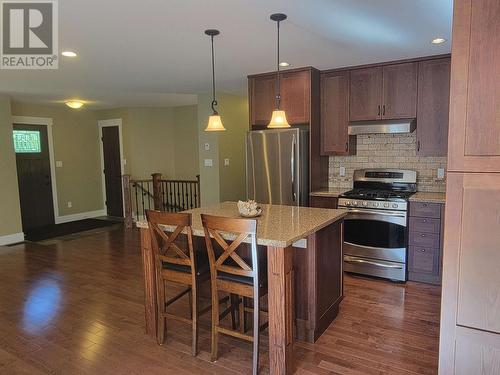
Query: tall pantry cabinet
<point x="470" y="312"/>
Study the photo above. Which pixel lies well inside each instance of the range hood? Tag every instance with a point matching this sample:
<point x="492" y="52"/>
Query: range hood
<point x="382" y="126"/>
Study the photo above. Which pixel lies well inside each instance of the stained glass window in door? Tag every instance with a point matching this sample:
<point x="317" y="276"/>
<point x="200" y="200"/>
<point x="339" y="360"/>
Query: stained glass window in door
<point x="27" y="141"/>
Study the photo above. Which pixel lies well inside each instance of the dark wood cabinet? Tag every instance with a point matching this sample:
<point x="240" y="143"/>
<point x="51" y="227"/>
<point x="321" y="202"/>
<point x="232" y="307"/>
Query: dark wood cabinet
<point x="296" y="96"/>
<point x="425" y="242"/>
<point x="262" y="98"/>
<point x="383" y="92"/>
<point x="399" y="92"/>
<point x="335" y="139"/>
<point x="433" y="107"/>
<point x="365" y="94"/>
<point x="323" y="201"/>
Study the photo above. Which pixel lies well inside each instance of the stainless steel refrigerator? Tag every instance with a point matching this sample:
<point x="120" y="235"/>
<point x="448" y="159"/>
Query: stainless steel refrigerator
<point x="277" y="166"/>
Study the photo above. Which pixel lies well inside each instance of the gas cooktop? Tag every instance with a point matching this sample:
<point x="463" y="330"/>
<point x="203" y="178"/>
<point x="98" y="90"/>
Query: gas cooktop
<point x="377" y="194"/>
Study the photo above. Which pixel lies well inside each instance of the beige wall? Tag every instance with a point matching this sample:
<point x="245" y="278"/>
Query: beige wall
<point x="221" y="183"/>
<point x="75" y="136"/>
<point x="10" y="211"/>
<point x="186" y="142"/>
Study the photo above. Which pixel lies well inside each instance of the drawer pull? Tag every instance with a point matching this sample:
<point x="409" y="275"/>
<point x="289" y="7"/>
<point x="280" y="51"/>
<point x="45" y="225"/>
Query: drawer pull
<point x="422" y="235"/>
<point x="425" y="220"/>
<point x="422" y="250"/>
<point x="424" y="204"/>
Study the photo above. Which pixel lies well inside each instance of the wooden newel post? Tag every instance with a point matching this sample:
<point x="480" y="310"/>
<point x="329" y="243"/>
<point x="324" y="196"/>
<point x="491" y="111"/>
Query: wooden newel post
<point x="158" y="201"/>
<point x="128" y="201"/>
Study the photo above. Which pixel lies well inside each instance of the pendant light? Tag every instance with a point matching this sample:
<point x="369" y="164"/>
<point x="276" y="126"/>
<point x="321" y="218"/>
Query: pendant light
<point x="278" y="119"/>
<point x="214" y="121"/>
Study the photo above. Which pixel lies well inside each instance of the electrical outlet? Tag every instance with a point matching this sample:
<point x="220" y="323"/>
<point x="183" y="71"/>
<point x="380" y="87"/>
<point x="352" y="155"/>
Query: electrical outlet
<point x="440" y="173"/>
<point x="207" y="146"/>
<point x="208" y="162"/>
<point x="59" y="164"/>
<point x="226" y="162"/>
<point x="342" y="171"/>
<point x="70" y="204"/>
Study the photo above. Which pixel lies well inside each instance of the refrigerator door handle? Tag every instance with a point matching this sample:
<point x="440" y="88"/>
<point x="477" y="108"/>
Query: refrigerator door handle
<point x="294" y="142"/>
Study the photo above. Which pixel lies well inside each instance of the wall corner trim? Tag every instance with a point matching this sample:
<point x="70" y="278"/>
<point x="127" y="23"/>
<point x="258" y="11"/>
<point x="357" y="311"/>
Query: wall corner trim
<point x="11" y="238"/>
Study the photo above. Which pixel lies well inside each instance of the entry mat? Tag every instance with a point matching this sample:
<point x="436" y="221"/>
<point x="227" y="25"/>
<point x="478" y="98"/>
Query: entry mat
<point x="64" y="229"/>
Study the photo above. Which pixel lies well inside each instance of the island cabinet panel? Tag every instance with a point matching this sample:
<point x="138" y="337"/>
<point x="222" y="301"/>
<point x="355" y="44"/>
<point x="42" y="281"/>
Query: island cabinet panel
<point x="296" y="96"/>
<point x="262" y="98"/>
<point x="474" y="132"/>
<point x="399" y="93"/>
<point x="433" y="107"/>
<point x="335" y="139"/>
<point x="365" y="94"/>
<point x="323" y="202"/>
<point x="318" y="282"/>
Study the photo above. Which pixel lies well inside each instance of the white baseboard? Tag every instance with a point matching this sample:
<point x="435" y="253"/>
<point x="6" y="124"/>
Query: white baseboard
<point x="11" y="238"/>
<point x="80" y="216"/>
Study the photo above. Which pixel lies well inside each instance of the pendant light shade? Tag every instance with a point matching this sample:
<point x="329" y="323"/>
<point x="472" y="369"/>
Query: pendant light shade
<point x="214" y="121"/>
<point x="278" y="118"/>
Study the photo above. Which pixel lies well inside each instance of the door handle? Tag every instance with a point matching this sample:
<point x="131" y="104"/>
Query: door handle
<point x="378" y="114"/>
<point x="347" y="146"/>
<point x="383" y="110"/>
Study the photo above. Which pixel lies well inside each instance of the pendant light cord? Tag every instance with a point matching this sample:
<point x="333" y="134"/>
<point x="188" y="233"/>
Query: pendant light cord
<point x="278" y="94"/>
<point x="214" y="101"/>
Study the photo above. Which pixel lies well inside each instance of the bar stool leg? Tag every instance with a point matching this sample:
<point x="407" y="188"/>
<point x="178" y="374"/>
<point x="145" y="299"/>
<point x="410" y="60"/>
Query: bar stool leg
<point x="215" y="324"/>
<point x="160" y="338"/>
<point x="194" y="317"/>
<point x="256" y="334"/>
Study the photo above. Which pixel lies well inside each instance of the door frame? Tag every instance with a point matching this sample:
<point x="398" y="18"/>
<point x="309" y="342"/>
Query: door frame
<point x="44" y="121"/>
<point x="102" y="124"/>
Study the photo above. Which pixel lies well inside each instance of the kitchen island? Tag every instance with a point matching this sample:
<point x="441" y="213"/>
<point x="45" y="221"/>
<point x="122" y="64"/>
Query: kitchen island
<point x="305" y="275"/>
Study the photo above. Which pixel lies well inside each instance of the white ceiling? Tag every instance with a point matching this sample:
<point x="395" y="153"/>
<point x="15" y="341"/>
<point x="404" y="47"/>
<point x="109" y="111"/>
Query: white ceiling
<point x="154" y="52"/>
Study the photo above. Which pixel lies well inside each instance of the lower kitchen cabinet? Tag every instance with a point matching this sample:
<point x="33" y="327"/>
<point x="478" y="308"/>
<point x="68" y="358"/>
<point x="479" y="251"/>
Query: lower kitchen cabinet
<point x="323" y="202"/>
<point x="425" y="242"/>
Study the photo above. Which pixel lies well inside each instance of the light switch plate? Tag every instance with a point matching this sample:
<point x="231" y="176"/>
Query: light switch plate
<point x="226" y="162"/>
<point x="207" y="146"/>
<point x="440" y="173"/>
<point x="59" y="164"/>
<point x="208" y="163"/>
<point x="342" y="171"/>
<point x="70" y="204"/>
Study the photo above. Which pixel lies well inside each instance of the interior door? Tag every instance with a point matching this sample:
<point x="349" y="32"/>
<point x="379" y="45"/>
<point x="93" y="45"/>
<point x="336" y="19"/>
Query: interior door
<point x="33" y="173"/>
<point x="112" y="170"/>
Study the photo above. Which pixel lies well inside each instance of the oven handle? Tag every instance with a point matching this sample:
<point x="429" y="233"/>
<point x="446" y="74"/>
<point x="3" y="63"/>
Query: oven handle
<point x="355" y="260"/>
<point x="370" y="212"/>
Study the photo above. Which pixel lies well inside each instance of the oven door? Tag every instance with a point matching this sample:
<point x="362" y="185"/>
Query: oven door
<point x="376" y="234"/>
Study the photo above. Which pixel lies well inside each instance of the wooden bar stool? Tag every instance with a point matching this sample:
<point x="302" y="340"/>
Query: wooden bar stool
<point x="176" y="264"/>
<point x="231" y="273"/>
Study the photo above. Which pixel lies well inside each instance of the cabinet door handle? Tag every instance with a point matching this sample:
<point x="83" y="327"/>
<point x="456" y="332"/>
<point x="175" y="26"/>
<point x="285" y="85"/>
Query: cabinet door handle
<point x="347" y="146"/>
<point x="378" y="114"/>
<point x="418" y="145"/>
<point x="383" y="111"/>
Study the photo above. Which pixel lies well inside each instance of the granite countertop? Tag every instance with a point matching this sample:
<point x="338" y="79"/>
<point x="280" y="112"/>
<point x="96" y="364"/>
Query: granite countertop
<point x="279" y="226"/>
<point x="329" y="193"/>
<point x="424" y="196"/>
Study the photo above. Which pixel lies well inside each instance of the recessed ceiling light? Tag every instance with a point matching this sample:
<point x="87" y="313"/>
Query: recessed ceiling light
<point x="284" y="64"/>
<point x="69" y="53"/>
<point x="438" y="40"/>
<point x="75" y="104"/>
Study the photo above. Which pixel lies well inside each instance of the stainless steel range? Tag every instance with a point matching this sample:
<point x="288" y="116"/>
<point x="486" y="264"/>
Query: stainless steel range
<point x="375" y="230"/>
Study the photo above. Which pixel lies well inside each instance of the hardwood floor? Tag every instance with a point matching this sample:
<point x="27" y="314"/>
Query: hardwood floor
<point x="76" y="307"/>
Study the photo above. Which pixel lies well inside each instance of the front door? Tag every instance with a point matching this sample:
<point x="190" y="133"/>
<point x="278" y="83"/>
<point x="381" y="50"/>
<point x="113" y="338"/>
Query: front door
<point x="33" y="173"/>
<point x="112" y="170"/>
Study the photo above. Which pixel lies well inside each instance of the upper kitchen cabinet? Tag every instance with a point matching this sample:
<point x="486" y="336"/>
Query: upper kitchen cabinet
<point x="383" y="92"/>
<point x="296" y="95"/>
<point x="365" y="94"/>
<point x="399" y="93"/>
<point x="335" y="139"/>
<point x="433" y="107"/>
<point x="474" y="141"/>
<point x="262" y="98"/>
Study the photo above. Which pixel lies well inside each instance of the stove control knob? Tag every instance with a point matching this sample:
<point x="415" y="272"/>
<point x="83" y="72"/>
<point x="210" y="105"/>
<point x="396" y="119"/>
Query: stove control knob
<point x="354" y="203"/>
<point x="348" y="203"/>
<point x="375" y="204"/>
<point x="365" y="203"/>
<point x="394" y="205"/>
<point x="386" y="205"/>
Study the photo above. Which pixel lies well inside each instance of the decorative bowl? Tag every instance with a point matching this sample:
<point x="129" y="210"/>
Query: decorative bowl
<point x="249" y="209"/>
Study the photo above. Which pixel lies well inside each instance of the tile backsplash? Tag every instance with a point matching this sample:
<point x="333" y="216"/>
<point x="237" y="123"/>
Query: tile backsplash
<point x="387" y="151"/>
